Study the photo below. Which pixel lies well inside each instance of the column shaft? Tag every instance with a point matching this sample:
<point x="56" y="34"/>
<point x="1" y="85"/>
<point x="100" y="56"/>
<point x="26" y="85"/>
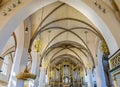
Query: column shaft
<point x="42" y="77"/>
<point x="20" y="60"/>
<point x="90" y="78"/>
<point x="100" y="76"/>
<point x="35" y="69"/>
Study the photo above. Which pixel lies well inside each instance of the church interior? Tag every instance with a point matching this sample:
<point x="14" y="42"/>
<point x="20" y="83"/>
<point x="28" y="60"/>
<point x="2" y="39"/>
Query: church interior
<point x="59" y="43"/>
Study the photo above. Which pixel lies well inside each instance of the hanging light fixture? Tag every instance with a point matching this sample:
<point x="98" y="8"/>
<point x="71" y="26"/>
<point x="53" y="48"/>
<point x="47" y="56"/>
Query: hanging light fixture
<point x="26" y="75"/>
<point x="86" y="41"/>
<point x="38" y="41"/>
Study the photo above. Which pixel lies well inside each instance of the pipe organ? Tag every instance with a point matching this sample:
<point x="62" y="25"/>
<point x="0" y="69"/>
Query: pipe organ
<point x="65" y="74"/>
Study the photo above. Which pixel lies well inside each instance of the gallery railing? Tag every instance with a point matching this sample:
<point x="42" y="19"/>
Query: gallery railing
<point x="114" y="60"/>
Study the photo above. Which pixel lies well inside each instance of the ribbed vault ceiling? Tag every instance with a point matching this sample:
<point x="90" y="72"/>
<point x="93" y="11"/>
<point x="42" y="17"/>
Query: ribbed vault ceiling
<point x="63" y="31"/>
<point x="65" y="34"/>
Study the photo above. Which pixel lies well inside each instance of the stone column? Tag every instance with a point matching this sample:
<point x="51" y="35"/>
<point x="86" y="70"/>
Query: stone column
<point x="100" y="77"/>
<point x="21" y="58"/>
<point x="90" y="78"/>
<point x="35" y="69"/>
<point x="9" y="66"/>
<point x="42" y="77"/>
<point x="36" y="83"/>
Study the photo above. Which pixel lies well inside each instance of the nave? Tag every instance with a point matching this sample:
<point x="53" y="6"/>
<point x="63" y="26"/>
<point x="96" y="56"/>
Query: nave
<point x="59" y="43"/>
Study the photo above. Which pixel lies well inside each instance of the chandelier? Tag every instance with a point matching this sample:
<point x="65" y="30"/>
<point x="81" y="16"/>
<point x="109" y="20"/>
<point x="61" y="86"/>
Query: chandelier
<point x="25" y="75"/>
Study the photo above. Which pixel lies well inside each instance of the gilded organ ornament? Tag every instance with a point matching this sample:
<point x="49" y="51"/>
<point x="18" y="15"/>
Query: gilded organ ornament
<point x="65" y="74"/>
